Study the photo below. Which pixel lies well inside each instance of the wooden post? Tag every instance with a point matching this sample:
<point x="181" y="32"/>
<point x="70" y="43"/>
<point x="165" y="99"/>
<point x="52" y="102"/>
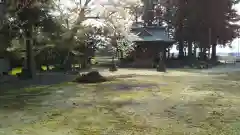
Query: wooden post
<point x="161" y="63"/>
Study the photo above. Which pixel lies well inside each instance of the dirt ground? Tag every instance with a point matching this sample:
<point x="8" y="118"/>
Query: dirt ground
<point x="138" y="102"/>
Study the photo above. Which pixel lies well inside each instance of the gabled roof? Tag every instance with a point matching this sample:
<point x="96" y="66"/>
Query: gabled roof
<point x="154" y="33"/>
<point x="144" y="33"/>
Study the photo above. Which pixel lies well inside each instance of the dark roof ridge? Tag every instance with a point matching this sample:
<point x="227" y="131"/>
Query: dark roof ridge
<point x="145" y="33"/>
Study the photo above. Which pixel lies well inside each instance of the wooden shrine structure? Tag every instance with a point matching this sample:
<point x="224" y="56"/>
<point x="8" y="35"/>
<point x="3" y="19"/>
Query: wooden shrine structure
<point x="150" y="36"/>
<point x="151" y="41"/>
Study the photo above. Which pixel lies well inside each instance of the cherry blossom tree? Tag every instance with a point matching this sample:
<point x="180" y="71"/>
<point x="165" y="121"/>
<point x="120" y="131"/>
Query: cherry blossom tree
<point x="113" y="19"/>
<point x="117" y="19"/>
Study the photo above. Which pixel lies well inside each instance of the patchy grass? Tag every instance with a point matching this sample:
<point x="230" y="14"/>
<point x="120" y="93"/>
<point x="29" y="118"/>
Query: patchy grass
<point x="165" y="104"/>
<point x="15" y="99"/>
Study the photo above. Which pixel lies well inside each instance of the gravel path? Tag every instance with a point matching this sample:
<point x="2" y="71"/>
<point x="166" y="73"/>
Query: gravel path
<point x="223" y="68"/>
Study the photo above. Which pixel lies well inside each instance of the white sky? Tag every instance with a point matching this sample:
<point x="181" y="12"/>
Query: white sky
<point x="235" y="43"/>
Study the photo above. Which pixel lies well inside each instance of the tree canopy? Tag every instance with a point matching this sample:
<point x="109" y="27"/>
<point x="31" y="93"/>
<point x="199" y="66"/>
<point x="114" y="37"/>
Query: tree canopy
<point x="203" y="23"/>
<point x="84" y="24"/>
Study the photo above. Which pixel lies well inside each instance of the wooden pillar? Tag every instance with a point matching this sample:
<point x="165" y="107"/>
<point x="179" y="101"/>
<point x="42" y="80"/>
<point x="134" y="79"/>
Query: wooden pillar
<point x="135" y="52"/>
<point x="164" y="52"/>
<point x="161" y="64"/>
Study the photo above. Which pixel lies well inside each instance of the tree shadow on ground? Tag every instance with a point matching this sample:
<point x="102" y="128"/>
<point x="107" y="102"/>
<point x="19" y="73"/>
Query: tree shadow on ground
<point x="18" y="99"/>
<point x="127" y="87"/>
<point x="20" y="93"/>
<point x="27" y="94"/>
<point x="40" y="80"/>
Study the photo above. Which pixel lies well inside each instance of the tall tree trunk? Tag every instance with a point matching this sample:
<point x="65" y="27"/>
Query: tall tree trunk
<point x="29" y="54"/>
<point x="190" y="46"/>
<point x="201" y="54"/>
<point x="169" y="49"/>
<point x="209" y="53"/>
<point x="204" y="53"/>
<point x="121" y="53"/>
<point x="190" y="54"/>
<point x="66" y="61"/>
<point x="195" y="50"/>
<point x="48" y="68"/>
<point x="84" y="61"/>
<point x="214" y="52"/>
<point x="181" y="48"/>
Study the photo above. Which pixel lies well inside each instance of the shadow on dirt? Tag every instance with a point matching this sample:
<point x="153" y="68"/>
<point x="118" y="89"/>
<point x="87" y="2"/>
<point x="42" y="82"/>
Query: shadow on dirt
<point x="40" y="80"/>
<point x="51" y="91"/>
